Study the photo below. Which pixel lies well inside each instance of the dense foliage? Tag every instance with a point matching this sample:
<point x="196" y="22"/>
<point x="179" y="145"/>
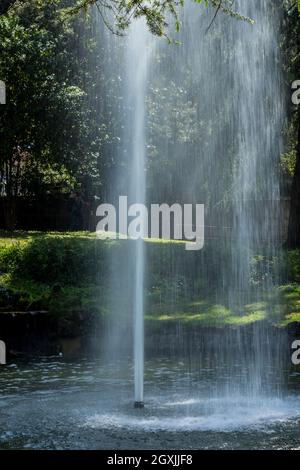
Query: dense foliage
<point x="61" y="129"/>
<point x="47" y="134"/>
<point x="291" y="48"/>
<point x="117" y="14"/>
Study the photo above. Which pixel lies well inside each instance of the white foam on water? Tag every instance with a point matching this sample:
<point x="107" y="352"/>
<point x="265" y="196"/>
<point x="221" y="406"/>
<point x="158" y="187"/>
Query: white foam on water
<point x="208" y="415"/>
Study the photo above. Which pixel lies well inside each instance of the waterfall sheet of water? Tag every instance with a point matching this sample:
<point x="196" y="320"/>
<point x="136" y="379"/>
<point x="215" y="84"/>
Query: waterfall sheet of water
<point x="257" y="105"/>
<point x="205" y="118"/>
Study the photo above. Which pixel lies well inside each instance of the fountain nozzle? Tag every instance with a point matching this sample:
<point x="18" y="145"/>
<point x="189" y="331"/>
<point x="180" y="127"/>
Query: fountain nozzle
<point x="139" y="404"/>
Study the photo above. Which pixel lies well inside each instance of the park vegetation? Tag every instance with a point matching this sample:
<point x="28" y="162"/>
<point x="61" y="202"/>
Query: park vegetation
<point x="59" y="134"/>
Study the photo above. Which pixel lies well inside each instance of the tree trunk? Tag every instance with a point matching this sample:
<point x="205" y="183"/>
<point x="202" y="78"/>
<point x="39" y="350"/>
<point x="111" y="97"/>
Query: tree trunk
<point x="10" y="208"/>
<point x="293" y="240"/>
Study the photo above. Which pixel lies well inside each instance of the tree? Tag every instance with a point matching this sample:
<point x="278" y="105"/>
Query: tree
<point x="118" y="14"/>
<point x="291" y="50"/>
<point x="45" y="127"/>
<point x="294" y="220"/>
<point x="5" y="5"/>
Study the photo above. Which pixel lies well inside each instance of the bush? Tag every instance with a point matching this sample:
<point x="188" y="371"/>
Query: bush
<point x="10" y="257"/>
<point x="293" y="265"/>
<point x="50" y="259"/>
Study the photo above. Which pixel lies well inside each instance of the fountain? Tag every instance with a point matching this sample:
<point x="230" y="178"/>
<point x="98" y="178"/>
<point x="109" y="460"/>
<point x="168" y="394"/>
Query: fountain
<point x="246" y="130"/>
<point x="2" y="353"/>
<point x="258" y="115"/>
<point x="195" y="123"/>
<point x="137" y="68"/>
<point x="203" y="119"/>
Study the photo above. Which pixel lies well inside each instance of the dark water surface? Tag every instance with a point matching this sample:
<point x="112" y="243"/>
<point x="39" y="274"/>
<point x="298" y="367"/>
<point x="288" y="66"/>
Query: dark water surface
<point x="53" y="404"/>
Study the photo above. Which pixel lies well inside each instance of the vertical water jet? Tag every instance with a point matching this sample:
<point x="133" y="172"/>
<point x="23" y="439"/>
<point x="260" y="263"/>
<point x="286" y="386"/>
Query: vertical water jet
<point x="137" y="66"/>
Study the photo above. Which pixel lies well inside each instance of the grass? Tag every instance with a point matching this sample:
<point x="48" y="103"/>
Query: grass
<point x="281" y="306"/>
<point x="207" y="313"/>
<point x="65" y="273"/>
<point x="23" y="238"/>
<point x="290" y="304"/>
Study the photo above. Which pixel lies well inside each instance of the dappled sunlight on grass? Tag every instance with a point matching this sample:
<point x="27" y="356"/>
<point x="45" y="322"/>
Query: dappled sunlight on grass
<point x="20" y="236"/>
<point x="279" y="307"/>
<point x="212" y="315"/>
<point x="115" y="236"/>
<point x="256" y="306"/>
<point x="246" y="319"/>
<point x="45" y="270"/>
<point x="290" y="304"/>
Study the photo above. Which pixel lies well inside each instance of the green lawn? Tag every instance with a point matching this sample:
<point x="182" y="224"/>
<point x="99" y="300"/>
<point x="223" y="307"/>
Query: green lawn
<point x="280" y="307"/>
<point x="65" y="273"/>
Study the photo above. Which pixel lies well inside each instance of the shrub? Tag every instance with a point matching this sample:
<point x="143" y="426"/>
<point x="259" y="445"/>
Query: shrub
<point x="293" y="265"/>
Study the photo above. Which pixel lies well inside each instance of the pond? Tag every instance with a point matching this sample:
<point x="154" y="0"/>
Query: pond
<point x="50" y="403"/>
